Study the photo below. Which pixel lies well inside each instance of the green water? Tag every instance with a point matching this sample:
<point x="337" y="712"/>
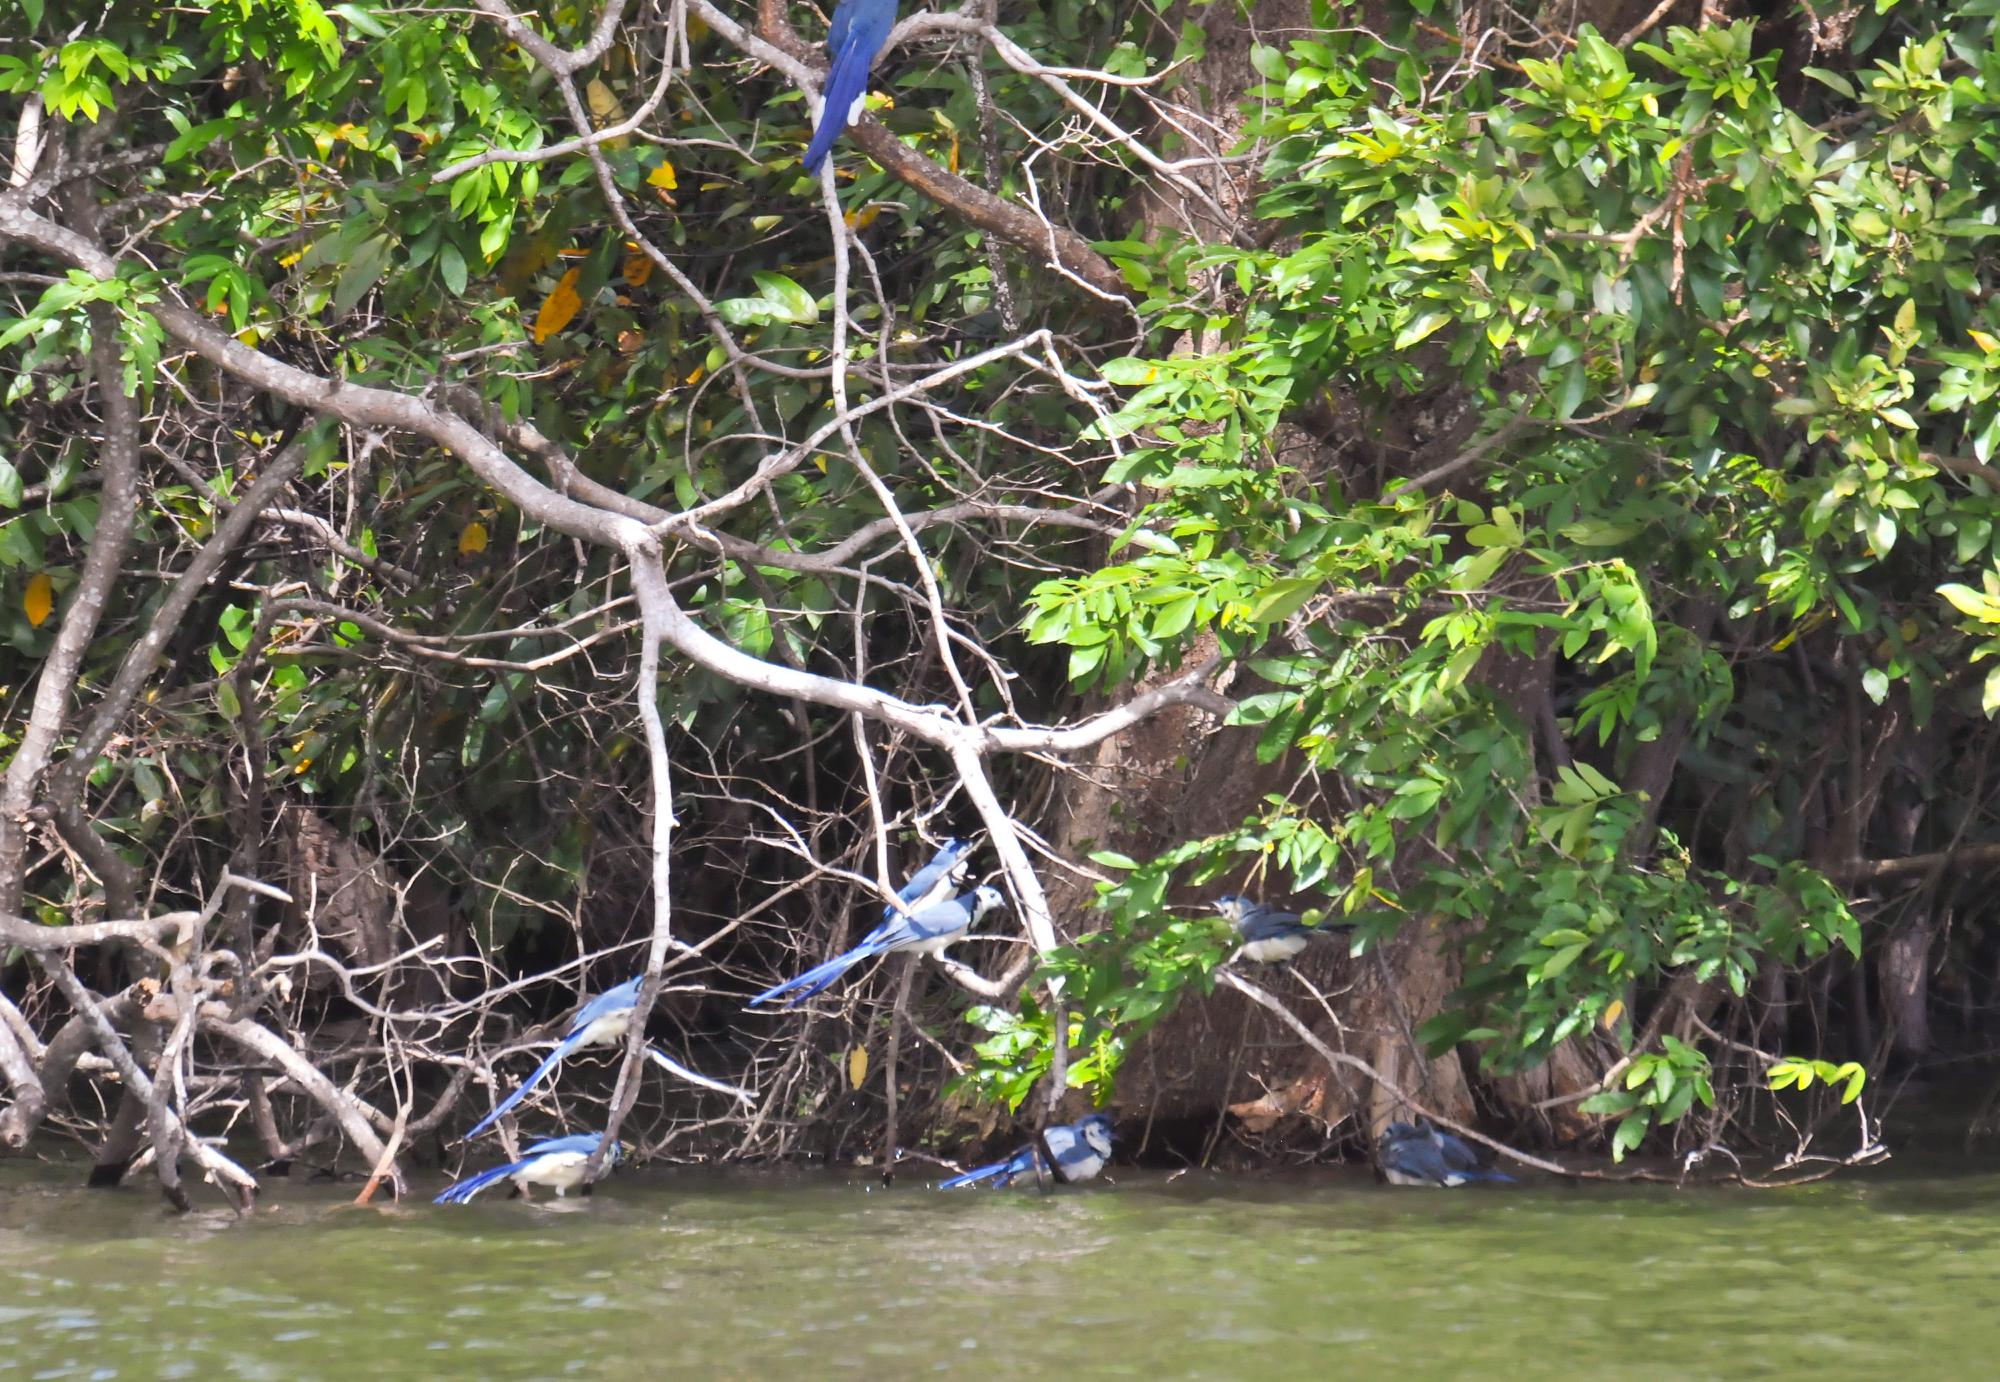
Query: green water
<point x="669" y="1274"/>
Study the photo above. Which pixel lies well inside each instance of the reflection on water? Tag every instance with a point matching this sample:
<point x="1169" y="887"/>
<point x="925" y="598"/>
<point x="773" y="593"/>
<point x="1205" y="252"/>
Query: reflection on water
<point x="672" y="1274"/>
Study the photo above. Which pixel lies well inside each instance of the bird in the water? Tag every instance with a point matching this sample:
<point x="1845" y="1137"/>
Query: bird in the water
<point x="603" y="1021"/>
<point x="1421" y="1154"/>
<point x="1269" y="935"/>
<point x="557" y="1163"/>
<point x="926" y="932"/>
<point x="1080" y="1149"/>
<point x="853" y="40"/>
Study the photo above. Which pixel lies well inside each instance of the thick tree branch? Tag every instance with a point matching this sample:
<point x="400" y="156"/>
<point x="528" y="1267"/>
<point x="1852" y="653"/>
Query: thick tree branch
<point x="119" y="507"/>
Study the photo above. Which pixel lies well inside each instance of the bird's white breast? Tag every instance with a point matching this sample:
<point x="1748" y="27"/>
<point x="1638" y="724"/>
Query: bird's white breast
<point x="1277" y="948"/>
<point x="604" y="1030"/>
<point x="559" y="1170"/>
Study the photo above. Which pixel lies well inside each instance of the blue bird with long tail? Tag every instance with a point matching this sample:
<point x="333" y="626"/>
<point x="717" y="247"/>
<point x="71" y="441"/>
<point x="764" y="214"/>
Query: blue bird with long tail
<point x="603" y="1021"/>
<point x="1421" y="1154"/>
<point x="1080" y="1149"/>
<point x="924" y="932"/>
<point x="853" y="41"/>
<point x="1269" y="935"/>
<point x="557" y="1164"/>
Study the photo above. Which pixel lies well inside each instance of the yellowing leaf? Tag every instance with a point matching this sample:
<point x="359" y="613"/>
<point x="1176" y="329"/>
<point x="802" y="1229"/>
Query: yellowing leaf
<point x="40" y="599"/>
<point x="638" y="268"/>
<point x="472" y="540"/>
<point x="862" y="219"/>
<point x="857" y="1066"/>
<point x="558" y="308"/>
<point x="663" y="176"/>
<point x="603" y="104"/>
<point x="629" y="341"/>
<point x="1613" y="1010"/>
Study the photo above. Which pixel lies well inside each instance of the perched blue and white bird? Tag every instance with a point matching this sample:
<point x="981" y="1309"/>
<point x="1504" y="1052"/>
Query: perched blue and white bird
<point x="854" y="39"/>
<point x="557" y="1163"/>
<point x="603" y="1021"/>
<point x="934" y="882"/>
<point x="925" y="932"/>
<point x="1421" y="1154"/>
<point x="1269" y="935"/>
<point x="1080" y="1150"/>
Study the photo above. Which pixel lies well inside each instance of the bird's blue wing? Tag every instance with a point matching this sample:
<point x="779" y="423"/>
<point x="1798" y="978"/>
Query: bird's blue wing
<point x="944" y="919"/>
<point x="554" y="1058"/>
<point x="1459" y="1158"/>
<point x="612" y="1000"/>
<point x="1265" y="924"/>
<point x="926" y="878"/>
<point x="585" y="1142"/>
<point x="859" y="29"/>
<point x="1417" y="1157"/>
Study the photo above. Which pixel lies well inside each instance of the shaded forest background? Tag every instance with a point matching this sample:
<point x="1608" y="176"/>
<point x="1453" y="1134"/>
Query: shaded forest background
<point x="1512" y="481"/>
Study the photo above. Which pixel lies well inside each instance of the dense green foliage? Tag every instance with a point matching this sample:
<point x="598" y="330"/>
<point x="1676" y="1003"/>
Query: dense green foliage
<point x="1736" y="360"/>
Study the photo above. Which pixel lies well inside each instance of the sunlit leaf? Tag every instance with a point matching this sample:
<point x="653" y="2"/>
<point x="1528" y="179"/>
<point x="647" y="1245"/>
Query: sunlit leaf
<point x="558" y="308"/>
<point x="39" y="600"/>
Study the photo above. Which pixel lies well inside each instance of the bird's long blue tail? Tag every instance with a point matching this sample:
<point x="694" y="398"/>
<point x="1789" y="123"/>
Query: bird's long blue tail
<point x="974" y="1177"/>
<point x="1004" y="1171"/>
<point x="846" y="83"/>
<point x="1499" y="1176"/>
<point x="674" y="1067"/>
<point x="507" y="1104"/>
<point x="816" y="979"/>
<point x="463" y="1192"/>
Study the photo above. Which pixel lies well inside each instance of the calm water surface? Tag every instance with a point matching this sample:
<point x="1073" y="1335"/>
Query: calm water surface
<point x="666" y="1274"/>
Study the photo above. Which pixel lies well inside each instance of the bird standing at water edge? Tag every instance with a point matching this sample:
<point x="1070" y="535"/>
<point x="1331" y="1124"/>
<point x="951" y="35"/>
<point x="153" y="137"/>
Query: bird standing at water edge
<point x="1420" y="1154"/>
<point x="1269" y="936"/>
<point x="1080" y="1149"/>
<point x="854" y="39"/>
<point x="925" y="932"/>
<point x="601" y="1022"/>
<point x="557" y="1163"/>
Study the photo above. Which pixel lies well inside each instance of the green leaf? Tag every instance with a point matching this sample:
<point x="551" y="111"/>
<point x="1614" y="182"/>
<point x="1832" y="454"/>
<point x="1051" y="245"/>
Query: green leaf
<point x="1561" y="961"/>
<point x="1631" y="1132"/>
<point x="1282" y="599"/>
<point x="11" y="487"/>
<point x="360" y="273"/>
<point x="1128" y="372"/>
<point x="1418" y="329"/>
<point x="451" y="266"/>
<point x="788" y="300"/>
